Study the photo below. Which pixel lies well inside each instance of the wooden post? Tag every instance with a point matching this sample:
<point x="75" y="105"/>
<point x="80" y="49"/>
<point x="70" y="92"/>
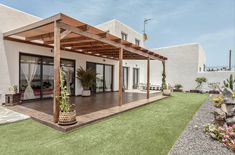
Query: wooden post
<point x="120" y="77"/>
<point x="148" y="80"/>
<point x="56" y="100"/>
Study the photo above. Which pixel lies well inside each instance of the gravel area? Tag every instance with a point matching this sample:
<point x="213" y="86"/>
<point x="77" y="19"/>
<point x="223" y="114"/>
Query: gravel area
<point x="193" y="140"/>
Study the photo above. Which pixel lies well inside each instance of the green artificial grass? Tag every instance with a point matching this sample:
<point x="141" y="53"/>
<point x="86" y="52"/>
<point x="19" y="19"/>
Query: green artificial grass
<point x="151" y="129"/>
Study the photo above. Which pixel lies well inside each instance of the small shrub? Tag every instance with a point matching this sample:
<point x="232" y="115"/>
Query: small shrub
<point x="200" y="81"/>
<point x="178" y="86"/>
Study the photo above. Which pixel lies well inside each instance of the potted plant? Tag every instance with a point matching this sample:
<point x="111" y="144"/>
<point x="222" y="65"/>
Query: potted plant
<point x="87" y="79"/>
<point x="178" y="88"/>
<point x="67" y="114"/>
<point x="13" y="97"/>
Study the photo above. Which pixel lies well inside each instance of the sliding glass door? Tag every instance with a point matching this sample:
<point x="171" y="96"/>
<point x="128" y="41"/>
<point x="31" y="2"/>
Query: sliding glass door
<point x="37" y="76"/>
<point x="47" y="77"/>
<point x="99" y="78"/>
<point x="30" y="77"/>
<point x="135" y="78"/>
<point x="125" y="77"/>
<point x="108" y="80"/>
<point x="104" y="77"/>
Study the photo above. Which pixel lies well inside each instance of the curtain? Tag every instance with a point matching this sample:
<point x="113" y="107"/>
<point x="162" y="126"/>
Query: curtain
<point x="29" y="71"/>
<point x="68" y="78"/>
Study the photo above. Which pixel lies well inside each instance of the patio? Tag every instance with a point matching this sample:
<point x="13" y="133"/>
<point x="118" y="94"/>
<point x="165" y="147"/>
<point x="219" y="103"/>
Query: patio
<point x="61" y="34"/>
<point x="89" y="109"/>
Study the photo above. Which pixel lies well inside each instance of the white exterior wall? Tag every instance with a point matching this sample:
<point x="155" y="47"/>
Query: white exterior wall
<point x="10" y="19"/>
<point x="181" y="66"/>
<point x="218" y="76"/>
<point x="12" y="53"/>
<point x="115" y="27"/>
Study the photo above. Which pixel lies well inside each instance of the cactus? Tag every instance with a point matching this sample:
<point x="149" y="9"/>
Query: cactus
<point x="229" y="82"/>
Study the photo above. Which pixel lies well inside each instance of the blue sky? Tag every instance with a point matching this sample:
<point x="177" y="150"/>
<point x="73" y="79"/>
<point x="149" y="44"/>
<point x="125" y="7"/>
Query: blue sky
<point x="209" y="22"/>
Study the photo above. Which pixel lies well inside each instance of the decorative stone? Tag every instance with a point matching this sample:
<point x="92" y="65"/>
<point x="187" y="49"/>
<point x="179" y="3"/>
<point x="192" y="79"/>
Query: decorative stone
<point x="228" y="93"/>
<point x="229" y="101"/>
<point x="219" y="116"/>
<point x="230" y="121"/>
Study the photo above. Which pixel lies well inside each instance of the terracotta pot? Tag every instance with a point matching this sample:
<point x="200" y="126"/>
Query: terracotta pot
<point x="67" y="118"/>
<point x="86" y="93"/>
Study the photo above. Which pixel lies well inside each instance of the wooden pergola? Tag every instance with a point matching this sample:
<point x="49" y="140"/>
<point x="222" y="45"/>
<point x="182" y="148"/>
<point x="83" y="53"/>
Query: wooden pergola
<point x="62" y="32"/>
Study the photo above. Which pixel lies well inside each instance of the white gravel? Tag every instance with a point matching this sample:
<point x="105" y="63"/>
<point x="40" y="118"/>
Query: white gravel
<point x="193" y="140"/>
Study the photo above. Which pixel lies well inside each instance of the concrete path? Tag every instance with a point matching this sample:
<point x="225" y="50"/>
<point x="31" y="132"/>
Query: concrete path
<point x="8" y="116"/>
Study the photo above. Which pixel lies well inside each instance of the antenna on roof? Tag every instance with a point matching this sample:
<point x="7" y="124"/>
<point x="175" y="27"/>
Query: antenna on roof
<point x="145" y="22"/>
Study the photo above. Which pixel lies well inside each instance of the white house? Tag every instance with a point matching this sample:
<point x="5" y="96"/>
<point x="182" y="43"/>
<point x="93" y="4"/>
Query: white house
<point x="28" y="62"/>
<point x="185" y="62"/>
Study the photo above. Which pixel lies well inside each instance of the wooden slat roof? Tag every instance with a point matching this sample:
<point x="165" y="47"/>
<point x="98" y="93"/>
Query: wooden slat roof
<point x="79" y="37"/>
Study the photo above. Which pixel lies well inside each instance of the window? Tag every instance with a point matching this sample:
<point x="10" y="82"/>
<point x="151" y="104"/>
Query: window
<point x="36" y="79"/>
<point x="124" y="36"/>
<point x="137" y="42"/>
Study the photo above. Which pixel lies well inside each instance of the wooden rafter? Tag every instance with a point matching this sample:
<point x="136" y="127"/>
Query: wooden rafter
<point x="104" y="40"/>
<point x="80" y="37"/>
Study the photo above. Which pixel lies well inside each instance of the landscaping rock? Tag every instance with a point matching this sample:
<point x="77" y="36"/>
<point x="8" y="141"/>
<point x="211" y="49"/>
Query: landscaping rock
<point x="230" y="121"/>
<point x="219" y="116"/>
<point x="196" y="142"/>
<point x="228" y="93"/>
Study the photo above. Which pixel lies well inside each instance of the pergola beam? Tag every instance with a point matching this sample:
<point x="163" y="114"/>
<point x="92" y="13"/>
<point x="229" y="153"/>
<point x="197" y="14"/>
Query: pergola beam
<point x="120" y="77"/>
<point x="148" y="77"/>
<point x="41" y="36"/>
<point x="32" y="26"/>
<point x="64" y="34"/>
<point x="57" y="53"/>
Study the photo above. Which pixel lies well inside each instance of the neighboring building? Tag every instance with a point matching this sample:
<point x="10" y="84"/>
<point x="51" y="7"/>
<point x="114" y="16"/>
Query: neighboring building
<point x="185" y="62"/>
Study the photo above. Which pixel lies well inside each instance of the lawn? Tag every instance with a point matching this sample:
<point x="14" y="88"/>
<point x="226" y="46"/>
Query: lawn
<point x="151" y="129"/>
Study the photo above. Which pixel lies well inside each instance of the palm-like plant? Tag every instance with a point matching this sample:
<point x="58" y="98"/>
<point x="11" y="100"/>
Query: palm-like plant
<point x="86" y="77"/>
<point x="229" y="82"/>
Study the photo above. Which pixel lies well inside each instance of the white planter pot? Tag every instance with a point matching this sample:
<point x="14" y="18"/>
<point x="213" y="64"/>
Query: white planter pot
<point x="86" y="93"/>
<point x="166" y="92"/>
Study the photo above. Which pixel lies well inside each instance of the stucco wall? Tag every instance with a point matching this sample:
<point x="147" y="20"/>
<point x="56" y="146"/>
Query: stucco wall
<point x="116" y="27"/>
<point x="219" y="76"/>
<point x="12" y="53"/>
<point x="11" y="18"/>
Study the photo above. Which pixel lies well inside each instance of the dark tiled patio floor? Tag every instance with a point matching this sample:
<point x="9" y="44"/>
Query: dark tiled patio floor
<point x="89" y="109"/>
<point x="86" y="105"/>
